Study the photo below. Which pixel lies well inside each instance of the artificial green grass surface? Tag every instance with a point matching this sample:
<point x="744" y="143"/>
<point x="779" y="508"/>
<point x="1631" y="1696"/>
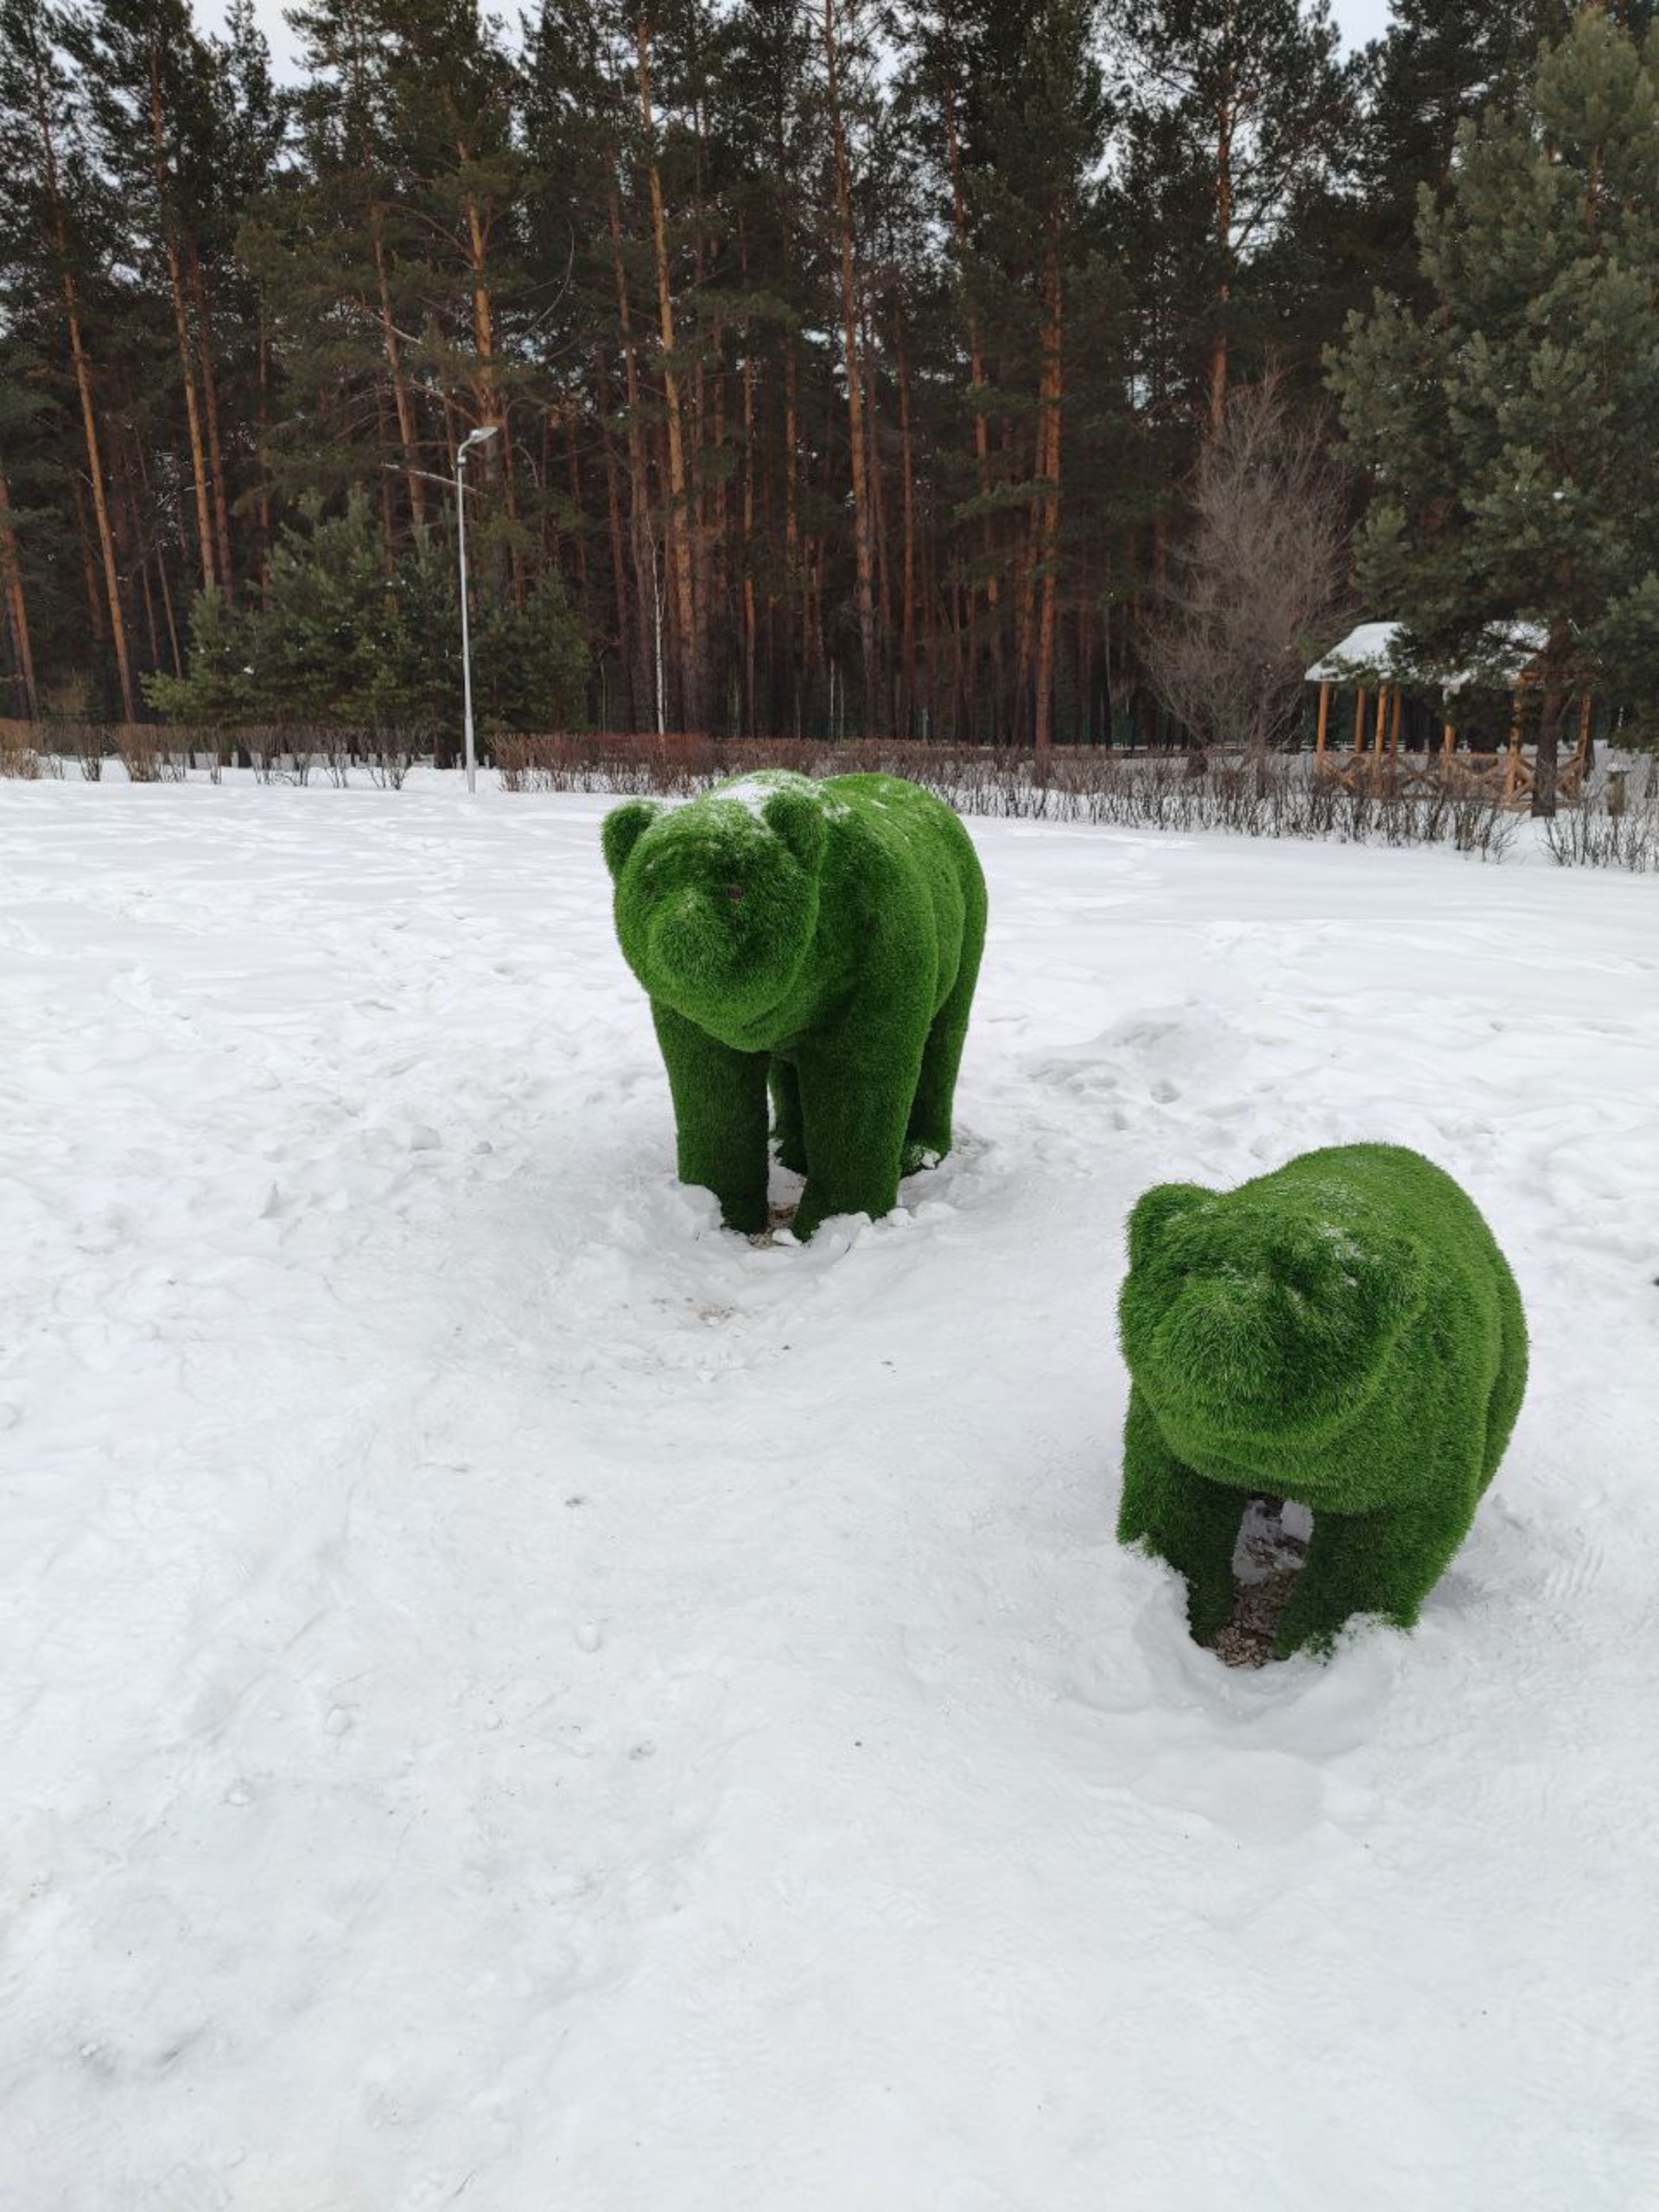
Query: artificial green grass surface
<point x="819" y="940"/>
<point x="1344" y="1332"/>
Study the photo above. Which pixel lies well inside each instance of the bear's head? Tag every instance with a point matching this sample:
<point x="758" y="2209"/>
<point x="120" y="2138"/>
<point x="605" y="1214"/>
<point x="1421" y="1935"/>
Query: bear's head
<point x="1259" y="1314"/>
<point x="717" y="901"/>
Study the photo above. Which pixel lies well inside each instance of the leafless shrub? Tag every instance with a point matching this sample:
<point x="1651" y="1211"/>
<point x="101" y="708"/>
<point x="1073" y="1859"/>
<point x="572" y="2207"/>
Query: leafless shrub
<point x="147" y="757"/>
<point x="1251" y="795"/>
<point x="1599" y="834"/>
<point x="1254" y="590"/>
<point x="18" y="758"/>
<point x="86" y="742"/>
<point x="265" y="746"/>
<point x="516" y="765"/>
<point x="388" y="758"/>
<point x="303" y="749"/>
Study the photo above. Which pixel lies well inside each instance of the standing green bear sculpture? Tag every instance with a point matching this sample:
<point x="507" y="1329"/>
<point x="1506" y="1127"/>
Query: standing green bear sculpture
<point x="819" y="940"/>
<point x="1344" y="1332"/>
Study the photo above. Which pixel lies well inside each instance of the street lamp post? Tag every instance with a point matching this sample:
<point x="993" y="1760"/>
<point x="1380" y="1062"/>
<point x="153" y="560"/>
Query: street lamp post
<point x="474" y="438"/>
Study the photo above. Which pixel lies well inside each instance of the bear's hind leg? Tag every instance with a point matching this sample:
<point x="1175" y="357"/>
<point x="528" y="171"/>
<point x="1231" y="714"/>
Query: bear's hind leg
<point x="928" y="1129"/>
<point x="1384" y="1563"/>
<point x="1188" y="1523"/>
<point x="787" y="1126"/>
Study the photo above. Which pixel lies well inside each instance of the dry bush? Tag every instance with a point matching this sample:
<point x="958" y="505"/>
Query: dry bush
<point x="1255" y="795"/>
<point x="265" y="746"/>
<point x="18" y="758"/>
<point x="1255" y="587"/>
<point x="388" y="758"/>
<point x="147" y="757"/>
<point x="516" y="763"/>
<point x="1597" y="834"/>
<point x="87" y="742"/>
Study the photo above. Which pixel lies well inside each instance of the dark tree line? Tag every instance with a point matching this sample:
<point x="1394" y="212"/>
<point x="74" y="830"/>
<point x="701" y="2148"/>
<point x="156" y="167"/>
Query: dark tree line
<point x="850" y="363"/>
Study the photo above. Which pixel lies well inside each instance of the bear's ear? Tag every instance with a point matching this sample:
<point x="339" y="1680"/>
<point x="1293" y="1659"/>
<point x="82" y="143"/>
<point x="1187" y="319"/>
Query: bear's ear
<point x="799" y="822"/>
<point x="623" y="828"/>
<point x="1153" y="1212"/>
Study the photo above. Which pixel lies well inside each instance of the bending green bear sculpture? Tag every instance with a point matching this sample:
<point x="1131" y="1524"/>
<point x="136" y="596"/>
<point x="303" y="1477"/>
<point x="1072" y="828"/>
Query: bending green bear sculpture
<point x="1344" y="1332"/>
<point x="824" y="938"/>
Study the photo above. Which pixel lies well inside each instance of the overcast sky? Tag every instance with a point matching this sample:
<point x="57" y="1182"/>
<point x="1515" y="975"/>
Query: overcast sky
<point x="1359" y="19"/>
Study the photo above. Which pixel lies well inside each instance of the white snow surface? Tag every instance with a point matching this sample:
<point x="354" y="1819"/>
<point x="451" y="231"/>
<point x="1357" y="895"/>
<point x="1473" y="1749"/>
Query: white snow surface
<point x="515" y="1698"/>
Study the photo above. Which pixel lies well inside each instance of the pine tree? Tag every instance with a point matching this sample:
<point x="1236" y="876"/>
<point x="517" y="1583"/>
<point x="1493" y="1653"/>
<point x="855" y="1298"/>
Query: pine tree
<point x="148" y="81"/>
<point x="1238" y="104"/>
<point x="57" y="222"/>
<point x="342" y="640"/>
<point x="1506" y="426"/>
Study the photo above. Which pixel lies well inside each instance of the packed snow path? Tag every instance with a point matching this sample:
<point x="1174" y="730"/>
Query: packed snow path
<point x="515" y="1698"/>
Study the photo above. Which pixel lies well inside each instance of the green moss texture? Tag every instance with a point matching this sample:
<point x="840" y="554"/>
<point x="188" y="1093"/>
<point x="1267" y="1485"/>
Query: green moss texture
<point x="1344" y="1332"/>
<point x="820" y="940"/>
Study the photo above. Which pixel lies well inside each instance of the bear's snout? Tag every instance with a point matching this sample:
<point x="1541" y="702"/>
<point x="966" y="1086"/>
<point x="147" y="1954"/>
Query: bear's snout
<point x="691" y="938"/>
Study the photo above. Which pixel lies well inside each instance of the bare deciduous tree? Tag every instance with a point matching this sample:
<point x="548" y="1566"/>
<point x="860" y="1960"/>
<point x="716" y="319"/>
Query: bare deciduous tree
<point x="1258" y="587"/>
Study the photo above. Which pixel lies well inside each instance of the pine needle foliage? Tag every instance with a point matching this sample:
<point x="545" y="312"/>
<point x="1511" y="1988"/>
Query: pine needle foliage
<point x="1505" y="421"/>
<point x="1344" y="1332"/>
<point x="819" y="940"/>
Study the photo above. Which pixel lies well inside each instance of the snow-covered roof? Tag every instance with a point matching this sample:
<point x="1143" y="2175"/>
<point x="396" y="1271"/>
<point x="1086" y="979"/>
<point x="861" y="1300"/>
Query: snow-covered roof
<point x="1367" y="653"/>
<point x="1370" y="648"/>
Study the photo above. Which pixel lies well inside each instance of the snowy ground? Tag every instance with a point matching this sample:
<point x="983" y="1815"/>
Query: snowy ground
<point x="510" y="1697"/>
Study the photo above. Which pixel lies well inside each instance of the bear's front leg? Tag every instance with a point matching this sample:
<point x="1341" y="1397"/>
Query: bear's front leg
<point x="855" y="1097"/>
<point x="1384" y="1563"/>
<point x="1173" y="1512"/>
<point x="720" y="1114"/>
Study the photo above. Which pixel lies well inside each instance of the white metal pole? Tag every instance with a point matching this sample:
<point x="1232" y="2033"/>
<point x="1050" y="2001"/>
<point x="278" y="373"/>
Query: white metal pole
<point x="474" y="438"/>
<point x="466" y="636"/>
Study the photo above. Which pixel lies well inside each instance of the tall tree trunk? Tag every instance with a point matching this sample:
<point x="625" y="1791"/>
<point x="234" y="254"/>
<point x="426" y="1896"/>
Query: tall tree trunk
<point x="388" y="516"/>
<point x="401" y="399"/>
<point x="1218" y="361"/>
<point x="261" y="430"/>
<point x="117" y="629"/>
<point x="11" y="570"/>
<point x="182" y="326"/>
<point x="82" y="376"/>
<point x="863" y="526"/>
<point x="992" y="583"/>
<point x="573" y="477"/>
<point x="880" y="533"/>
<point x="681" y="521"/>
<point x="493" y="405"/>
<point x="215" y="451"/>
<point x="792" y="569"/>
<point x="1548" y="752"/>
<point x="645" y="559"/>
<point x="908" y="465"/>
<point x="619" y="558"/>
<point x="749" y="624"/>
<point x="1049" y="541"/>
<point x="97" y="610"/>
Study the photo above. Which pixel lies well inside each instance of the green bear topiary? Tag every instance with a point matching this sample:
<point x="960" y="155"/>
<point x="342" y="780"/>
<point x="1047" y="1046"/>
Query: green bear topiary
<point x="1344" y="1332"/>
<point x="822" y="938"/>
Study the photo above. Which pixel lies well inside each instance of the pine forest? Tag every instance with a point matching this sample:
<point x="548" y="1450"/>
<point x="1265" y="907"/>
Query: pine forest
<point x="822" y="367"/>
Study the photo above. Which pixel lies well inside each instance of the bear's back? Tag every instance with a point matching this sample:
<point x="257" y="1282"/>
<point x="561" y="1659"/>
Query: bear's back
<point x="1472" y="1316"/>
<point x="895" y="835"/>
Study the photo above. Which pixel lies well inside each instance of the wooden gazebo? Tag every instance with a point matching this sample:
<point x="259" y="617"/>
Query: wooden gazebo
<point x="1375" y="759"/>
